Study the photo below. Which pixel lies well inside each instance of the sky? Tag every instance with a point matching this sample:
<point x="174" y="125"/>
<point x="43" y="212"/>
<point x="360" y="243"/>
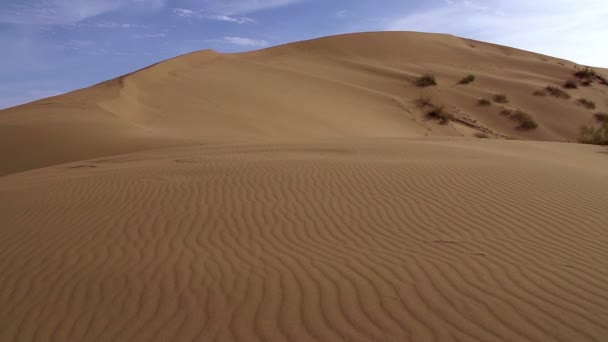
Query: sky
<point x="51" y="47"/>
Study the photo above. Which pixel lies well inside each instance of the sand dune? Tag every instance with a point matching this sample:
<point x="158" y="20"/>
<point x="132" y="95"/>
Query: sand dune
<point x="356" y="85"/>
<point x="360" y="240"/>
<point x="299" y="193"/>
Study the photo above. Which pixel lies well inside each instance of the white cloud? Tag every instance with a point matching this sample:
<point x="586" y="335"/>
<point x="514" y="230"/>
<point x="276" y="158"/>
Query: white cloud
<point x="233" y="7"/>
<point x="572" y="29"/>
<point x="231" y="19"/>
<point x="53" y="12"/>
<point x="186" y="13"/>
<point x="246" y="42"/>
<point x="150" y="35"/>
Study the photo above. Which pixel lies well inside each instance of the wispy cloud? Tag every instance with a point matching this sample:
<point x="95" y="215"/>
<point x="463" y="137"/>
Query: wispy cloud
<point x="54" y="12"/>
<point x="232" y="19"/>
<point x="246" y="42"/>
<point x="186" y="13"/>
<point x="150" y="35"/>
<point x="236" y="7"/>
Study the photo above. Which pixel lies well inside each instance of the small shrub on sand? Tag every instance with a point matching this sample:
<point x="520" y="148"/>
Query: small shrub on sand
<point x="467" y="80"/>
<point x="539" y="93"/>
<point x="593" y="135"/>
<point x="506" y="112"/>
<point x="424" y="101"/>
<point x="570" y="84"/>
<point x="556" y="92"/>
<point x="586" y="103"/>
<point x="439" y="113"/>
<point x="526" y="121"/>
<point x="500" y="98"/>
<point x="586" y="82"/>
<point x="481" y="135"/>
<point x="587" y="72"/>
<point x="425" y="81"/>
<point x="601" y="117"/>
<point x="484" y="102"/>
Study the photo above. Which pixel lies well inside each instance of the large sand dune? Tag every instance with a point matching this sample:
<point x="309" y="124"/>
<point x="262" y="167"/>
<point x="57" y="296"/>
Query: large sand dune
<point x="299" y="193"/>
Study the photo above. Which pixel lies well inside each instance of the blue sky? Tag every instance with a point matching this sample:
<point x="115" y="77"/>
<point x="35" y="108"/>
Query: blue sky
<point x="54" y="46"/>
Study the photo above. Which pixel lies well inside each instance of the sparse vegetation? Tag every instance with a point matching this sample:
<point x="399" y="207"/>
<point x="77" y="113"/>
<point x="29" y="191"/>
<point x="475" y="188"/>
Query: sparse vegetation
<point x="425" y="81"/>
<point x="557" y="92"/>
<point x="424" y="101"/>
<point x="439" y="113"/>
<point x="586" y="82"/>
<point x="500" y="98"/>
<point x="526" y="121"/>
<point x="587" y="73"/>
<point x="570" y="84"/>
<point x="481" y="135"/>
<point x="467" y="80"/>
<point x="586" y="103"/>
<point x="539" y="93"/>
<point x="593" y="135"/>
<point x="601" y="117"/>
<point x="484" y="102"/>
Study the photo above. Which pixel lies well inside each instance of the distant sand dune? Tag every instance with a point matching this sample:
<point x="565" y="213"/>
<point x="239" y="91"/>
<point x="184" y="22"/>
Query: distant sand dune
<point x="360" y="240"/>
<point x="349" y="86"/>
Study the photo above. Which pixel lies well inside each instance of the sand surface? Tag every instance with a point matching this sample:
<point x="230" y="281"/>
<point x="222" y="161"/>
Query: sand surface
<point x="299" y="193"/>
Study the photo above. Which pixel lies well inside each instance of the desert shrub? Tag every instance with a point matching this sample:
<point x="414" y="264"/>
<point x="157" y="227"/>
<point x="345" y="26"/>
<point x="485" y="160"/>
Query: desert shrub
<point x="557" y="92"/>
<point x="586" y="103"/>
<point x="425" y="81"/>
<point x="587" y="72"/>
<point x="484" y="102"/>
<point x="467" y="80"/>
<point x="505" y="112"/>
<point x="526" y="121"/>
<point x="539" y="93"/>
<point x="570" y="84"/>
<point x="500" y="98"/>
<point x="593" y="135"/>
<point x="424" y="101"/>
<point x="586" y="82"/>
<point x="439" y="113"/>
<point x="481" y="135"/>
<point x="601" y="117"/>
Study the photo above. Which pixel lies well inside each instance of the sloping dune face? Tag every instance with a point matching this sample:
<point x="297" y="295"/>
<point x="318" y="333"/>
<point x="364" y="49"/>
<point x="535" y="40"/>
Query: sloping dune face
<point x="357" y="85"/>
<point x="303" y="193"/>
<point x="367" y="240"/>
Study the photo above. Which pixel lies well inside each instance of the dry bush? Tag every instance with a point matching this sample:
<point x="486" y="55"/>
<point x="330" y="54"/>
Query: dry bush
<point x="593" y="135"/>
<point x="539" y="93"/>
<point x="484" y="102"/>
<point x="467" y="80"/>
<point x="601" y="117"/>
<point x="424" y="101"/>
<point x="500" y="98"/>
<point x="526" y="121"/>
<point x="570" y="84"/>
<point x="425" y="81"/>
<point x="439" y="113"/>
<point x="557" y="92"/>
<point x="586" y="103"/>
<point x="587" y="73"/>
